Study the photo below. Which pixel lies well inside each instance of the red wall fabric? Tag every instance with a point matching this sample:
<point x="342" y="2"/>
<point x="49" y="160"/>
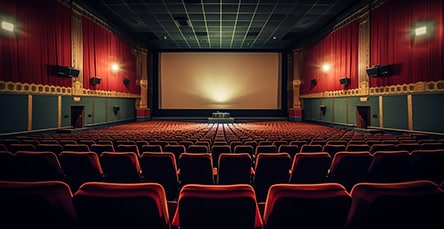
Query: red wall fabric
<point x="42" y="38"/>
<point x="102" y="48"/>
<point x="414" y="58"/>
<point x="340" y="50"/>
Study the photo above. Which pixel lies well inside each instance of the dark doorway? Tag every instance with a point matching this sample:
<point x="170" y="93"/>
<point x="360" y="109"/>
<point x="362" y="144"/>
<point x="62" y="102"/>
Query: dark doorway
<point x="362" y="117"/>
<point x="77" y="114"/>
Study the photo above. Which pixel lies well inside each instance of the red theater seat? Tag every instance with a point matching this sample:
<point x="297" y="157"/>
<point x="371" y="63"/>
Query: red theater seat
<point x="349" y="168"/>
<point x="412" y="205"/>
<point x="196" y="168"/>
<point x="161" y="167"/>
<point x="40" y="204"/>
<point x="308" y="206"/>
<point x="234" y="168"/>
<point x="217" y="207"/>
<point x="120" y="167"/>
<point x="80" y="167"/>
<point x="110" y="205"/>
<point x="38" y="166"/>
<point x="310" y="167"/>
<point x="270" y="168"/>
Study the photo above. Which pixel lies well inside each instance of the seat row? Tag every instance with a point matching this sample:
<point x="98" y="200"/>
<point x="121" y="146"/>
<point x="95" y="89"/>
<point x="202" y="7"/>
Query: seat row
<point x="346" y="168"/>
<point x="51" y="204"/>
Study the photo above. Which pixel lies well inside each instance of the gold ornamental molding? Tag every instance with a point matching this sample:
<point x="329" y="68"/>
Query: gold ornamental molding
<point x="413" y="88"/>
<point x="31" y="88"/>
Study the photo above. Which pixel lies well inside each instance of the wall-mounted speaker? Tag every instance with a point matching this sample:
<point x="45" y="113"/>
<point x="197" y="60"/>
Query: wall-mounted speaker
<point x="378" y="70"/>
<point x="73" y="72"/>
<point x="313" y="82"/>
<point x="345" y="81"/>
<point x="66" y="71"/>
<point x="116" y="108"/>
<point x="126" y="81"/>
<point x="95" y="80"/>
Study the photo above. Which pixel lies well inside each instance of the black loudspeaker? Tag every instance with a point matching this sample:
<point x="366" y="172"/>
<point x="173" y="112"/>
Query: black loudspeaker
<point x="313" y="82"/>
<point x="66" y="71"/>
<point x="61" y="70"/>
<point x="73" y="72"/>
<point x="116" y="108"/>
<point x="378" y="70"/>
<point x="126" y="81"/>
<point x="385" y="70"/>
<point x="345" y="81"/>
<point x="95" y="80"/>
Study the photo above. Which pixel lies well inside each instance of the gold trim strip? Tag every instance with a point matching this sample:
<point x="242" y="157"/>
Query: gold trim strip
<point x="59" y="111"/>
<point x="410" y="111"/>
<point x="26" y="88"/>
<point x="418" y="87"/>
<point x="381" y="116"/>
<point x="29" y="112"/>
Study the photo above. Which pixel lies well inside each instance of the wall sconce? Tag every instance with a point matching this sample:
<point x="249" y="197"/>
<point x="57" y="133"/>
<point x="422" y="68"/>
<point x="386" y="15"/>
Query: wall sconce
<point x="115" y="67"/>
<point x="7" y="26"/>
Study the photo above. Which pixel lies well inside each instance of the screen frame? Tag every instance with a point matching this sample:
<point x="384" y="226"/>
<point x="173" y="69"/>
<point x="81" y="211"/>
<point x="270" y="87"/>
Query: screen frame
<point x="154" y="91"/>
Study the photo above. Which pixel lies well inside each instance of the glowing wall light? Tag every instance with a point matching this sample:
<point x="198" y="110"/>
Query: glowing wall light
<point x="326" y="67"/>
<point x="115" y="67"/>
<point x="420" y="30"/>
<point x="7" y="26"/>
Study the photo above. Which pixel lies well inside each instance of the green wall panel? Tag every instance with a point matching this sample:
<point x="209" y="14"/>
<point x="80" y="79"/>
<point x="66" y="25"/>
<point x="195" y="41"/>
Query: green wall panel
<point x="428" y="112"/>
<point x="394" y="110"/>
<point x="340" y="110"/>
<point x="113" y="116"/>
<point x="100" y="112"/>
<point x="44" y="112"/>
<point x="328" y="115"/>
<point x="14" y="115"/>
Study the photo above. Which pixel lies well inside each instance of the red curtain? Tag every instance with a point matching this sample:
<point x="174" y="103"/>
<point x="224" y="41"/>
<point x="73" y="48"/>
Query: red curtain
<point x="393" y="43"/>
<point x="42" y="39"/>
<point x="101" y="49"/>
<point x="339" y="50"/>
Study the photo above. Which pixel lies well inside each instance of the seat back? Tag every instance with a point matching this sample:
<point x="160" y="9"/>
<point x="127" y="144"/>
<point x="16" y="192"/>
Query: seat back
<point x="307" y="206"/>
<point x="244" y="149"/>
<point x="160" y="168"/>
<point x="382" y="147"/>
<point x="15" y="147"/>
<point x="99" y="148"/>
<point x="217" y="207"/>
<point x="38" y="204"/>
<point x="196" y="168"/>
<point x="128" y="148"/>
<point x="290" y="149"/>
<point x="120" y="167"/>
<point x="389" y="166"/>
<point x="270" y="168"/>
<point x="80" y="167"/>
<point x="198" y="149"/>
<point x="175" y="149"/>
<point x="38" y="166"/>
<point x="151" y="148"/>
<point x="234" y="168"/>
<point x="311" y="148"/>
<point x="7" y="166"/>
<point x="265" y="149"/>
<point x="427" y="165"/>
<point x="332" y="149"/>
<point x="217" y="150"/>
<point x="413" y="204"/>
<point x="110" y="205"/>
<point x="51" y="147"/>
<point x="310" y="167"/>
<point x="349" y="168"/>
<point x="76" y="147"/>
<point x="357" y="147"/>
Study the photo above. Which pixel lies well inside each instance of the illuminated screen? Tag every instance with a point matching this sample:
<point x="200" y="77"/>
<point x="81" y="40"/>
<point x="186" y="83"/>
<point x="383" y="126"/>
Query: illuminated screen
<point x="222" y="80"/>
